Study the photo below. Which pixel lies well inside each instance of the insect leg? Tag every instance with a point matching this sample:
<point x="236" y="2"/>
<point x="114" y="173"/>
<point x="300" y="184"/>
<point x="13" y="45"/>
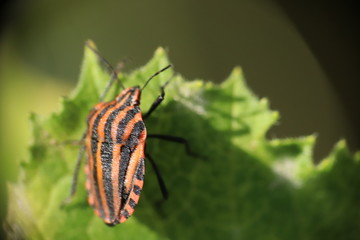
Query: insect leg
<point x="158" y="175"/>
<point x="157" y="101"/>
<point x="177" y="140"/>
<point x="75" y="177"/>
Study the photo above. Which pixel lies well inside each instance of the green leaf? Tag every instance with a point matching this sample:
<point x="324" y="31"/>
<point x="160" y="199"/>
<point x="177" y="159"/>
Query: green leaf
<point x="245" y="187"/>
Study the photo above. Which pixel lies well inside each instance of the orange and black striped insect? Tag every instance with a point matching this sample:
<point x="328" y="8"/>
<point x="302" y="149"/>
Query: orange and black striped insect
<point x="115" y="147"/>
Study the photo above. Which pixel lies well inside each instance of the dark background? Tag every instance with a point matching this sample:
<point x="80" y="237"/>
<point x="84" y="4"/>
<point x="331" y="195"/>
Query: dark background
<point x="302" y="55"/>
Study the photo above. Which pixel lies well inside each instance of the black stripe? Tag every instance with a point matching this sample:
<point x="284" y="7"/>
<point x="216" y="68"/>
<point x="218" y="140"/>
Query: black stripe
<point x="124" y="163"/>
<point x="106" y="163"/>
<point x="126" y="151"/>
<point x="94" y="130"/>
<point x="132" y="203"/>
<point x="140" y="170"/>
<point x="124" y="122"/>
<point x="94" y="143"/>
<point x="137" y="190"/>
<point x="114" y="114"/>
<point x="94" y="149"/>
<point x="133" y="139"/>
<point x="126" y="214"/>
<point x="130" y="91"/>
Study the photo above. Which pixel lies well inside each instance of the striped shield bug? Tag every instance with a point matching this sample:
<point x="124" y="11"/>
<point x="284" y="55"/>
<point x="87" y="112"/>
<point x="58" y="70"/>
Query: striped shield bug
<point x="114" y="143"/>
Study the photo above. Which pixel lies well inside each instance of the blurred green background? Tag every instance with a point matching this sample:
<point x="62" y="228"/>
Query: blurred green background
<point x="302" y="56"/>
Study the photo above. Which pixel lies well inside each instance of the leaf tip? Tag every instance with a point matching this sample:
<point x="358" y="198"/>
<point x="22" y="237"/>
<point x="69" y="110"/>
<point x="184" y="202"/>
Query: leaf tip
<point x="341" y="144"/>
<point x="357" y="156"/>
<point x="160" y="51"/>
<point x="328" y="163"/>
<point x="237" y="71"/>
<point x="275" y="115"/>
<point x="90" y="43"/>
<point x="311" y="139"/>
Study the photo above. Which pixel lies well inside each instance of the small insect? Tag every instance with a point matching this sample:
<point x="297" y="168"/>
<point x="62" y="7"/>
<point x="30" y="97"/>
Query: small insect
<point x="115" y="142"/>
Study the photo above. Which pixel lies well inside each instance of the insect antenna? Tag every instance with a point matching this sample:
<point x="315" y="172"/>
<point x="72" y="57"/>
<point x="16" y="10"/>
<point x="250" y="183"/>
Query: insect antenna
<point x="155" y="74"/>
<point x="114" y="72"/>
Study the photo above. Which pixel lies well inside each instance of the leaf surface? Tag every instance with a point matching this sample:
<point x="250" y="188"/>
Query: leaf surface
<point x="244" y="187"/>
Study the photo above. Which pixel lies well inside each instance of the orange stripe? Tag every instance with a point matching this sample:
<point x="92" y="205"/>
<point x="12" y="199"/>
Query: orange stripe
<point x="88" y="186"/>
<point x="133" y="163"/>
<point x="115" y="177"/>
<point x="98" y="108"/>
<point x="133" y="196"/>
<point x="116" y="122"/>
